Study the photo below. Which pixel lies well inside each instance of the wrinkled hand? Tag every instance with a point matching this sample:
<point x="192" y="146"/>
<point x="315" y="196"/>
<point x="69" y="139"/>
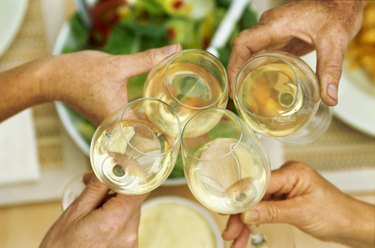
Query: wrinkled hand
<point x="299" y="27"/>
<point x="96" y="220"/>
<point x="94" y="83"/>
<point x="298" y="195"/>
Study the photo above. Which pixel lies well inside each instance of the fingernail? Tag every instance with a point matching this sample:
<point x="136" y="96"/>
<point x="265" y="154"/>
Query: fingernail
<point x="250" y="216"/>
<point x="332" y="91"/>
<point x="172" y="48"/>
<point x="87" y="177"/>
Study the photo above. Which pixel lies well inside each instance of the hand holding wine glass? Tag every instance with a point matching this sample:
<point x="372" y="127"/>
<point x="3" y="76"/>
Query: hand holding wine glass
<point x="227" y="169"/>
<point x="96" y="220"/>
<point x="277" y="94"/>
<point x="134" y="150"/>
<point x="298" y="195"/>
<point x="299" y="27"/>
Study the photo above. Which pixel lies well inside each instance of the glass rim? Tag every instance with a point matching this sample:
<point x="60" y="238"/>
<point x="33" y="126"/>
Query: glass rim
<point x="177" y="138"/>
<point x="232" y="148"/>
<point x="217" y="62"/>
<point x="236" y="82"/>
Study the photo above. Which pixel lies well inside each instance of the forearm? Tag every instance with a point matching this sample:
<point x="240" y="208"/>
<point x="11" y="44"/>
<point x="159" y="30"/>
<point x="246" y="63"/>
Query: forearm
<point x="21" y="88"/>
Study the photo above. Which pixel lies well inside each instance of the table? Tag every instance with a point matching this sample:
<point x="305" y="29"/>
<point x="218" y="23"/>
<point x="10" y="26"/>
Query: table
<point x="24" y="225"/>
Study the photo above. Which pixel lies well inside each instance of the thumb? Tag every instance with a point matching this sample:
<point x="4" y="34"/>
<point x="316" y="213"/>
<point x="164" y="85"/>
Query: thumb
<point x="247" y="43"/>
<point x="269" y="212"/>
<point x="91" y="197"/>
<point x="144" y="61"/>
<point x="329" y="68"/>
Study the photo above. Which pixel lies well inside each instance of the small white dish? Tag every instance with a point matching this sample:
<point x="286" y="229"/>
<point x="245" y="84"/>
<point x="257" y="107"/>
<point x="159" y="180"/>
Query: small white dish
<point x="184" y="220"/>
<point x="12" y="13"/>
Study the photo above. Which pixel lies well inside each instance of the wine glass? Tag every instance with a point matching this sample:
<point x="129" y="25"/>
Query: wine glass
<point x="189" y="81"/>
<point x="277" y="94"/>
<point x="227" y="169"/>
<point x="134" y="150"/>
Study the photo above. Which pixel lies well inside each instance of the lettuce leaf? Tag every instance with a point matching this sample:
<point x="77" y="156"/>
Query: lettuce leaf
<point x="129" y="37"/>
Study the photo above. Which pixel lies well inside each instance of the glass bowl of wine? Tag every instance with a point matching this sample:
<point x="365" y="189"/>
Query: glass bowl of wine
<point x="277" y="94"/>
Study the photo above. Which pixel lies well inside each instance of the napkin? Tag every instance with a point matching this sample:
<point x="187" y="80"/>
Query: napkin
<point x="18" y="150"/>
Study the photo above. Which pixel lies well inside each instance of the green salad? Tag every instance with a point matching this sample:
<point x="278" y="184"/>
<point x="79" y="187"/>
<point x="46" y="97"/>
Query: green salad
<point x="127" y="27"/>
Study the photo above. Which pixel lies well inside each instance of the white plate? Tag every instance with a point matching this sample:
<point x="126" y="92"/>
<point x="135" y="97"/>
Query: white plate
<point x="12" y="13"/>
<point x="356" y="105"/>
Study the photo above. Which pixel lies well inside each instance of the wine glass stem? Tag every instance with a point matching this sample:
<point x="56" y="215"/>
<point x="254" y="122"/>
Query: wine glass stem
<point x="257" y="238"/>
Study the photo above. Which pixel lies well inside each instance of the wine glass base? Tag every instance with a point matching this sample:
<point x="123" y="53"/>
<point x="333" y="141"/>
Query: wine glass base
<point x="274" y="235"/>
<point x="314" y="129"/>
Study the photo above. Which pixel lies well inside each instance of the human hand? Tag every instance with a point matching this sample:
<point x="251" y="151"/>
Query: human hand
<point x="299" y="27"/>
<point x="298" y="195"/>
<point x="96" y="219"/>
<point x="94" y="83"/>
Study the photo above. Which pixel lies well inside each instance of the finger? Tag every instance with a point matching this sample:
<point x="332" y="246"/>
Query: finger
<point x="122" y="213"/>
<point x="88" y="177"/>
<point x="233" y="228"/>
<point x="122" y="207"/>
<point x="298" y="47"/>
<point x="90" y="198"/>
<point x="242" y="239"/>
<point x="128" y="236"/>
<point x="245" y="44"/>
<point x="144" y="61"/>
<point x="270" y="212"/>
<point x="279" y="183"/>
<point x="286" y="180"/>
<point x="330" y="56"/>
<point x="283" y="179"/>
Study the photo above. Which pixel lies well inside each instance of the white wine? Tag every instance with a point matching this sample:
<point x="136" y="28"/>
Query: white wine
<point x="272" y="99"/>
<point x="132" y="157"/>
<point x="187" y="88"/>
<point x="226" y="175"/>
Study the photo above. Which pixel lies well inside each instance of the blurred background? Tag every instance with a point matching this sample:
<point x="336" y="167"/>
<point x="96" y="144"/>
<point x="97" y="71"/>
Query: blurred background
<point x="43" y="148"/>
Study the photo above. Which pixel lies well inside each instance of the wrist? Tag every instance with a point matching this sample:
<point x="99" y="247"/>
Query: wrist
<point x="359" y="228"/>
<point x="23" y="87"/>
<point x="57" y="78"/>
<point x="47" y="75"/>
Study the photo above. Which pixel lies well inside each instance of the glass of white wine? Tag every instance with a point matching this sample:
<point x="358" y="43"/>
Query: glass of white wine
<point x="189" y="81"/>
<point x="227" y="168"/>
<point x="134" y="150"/>
<point x="277" y="94"/>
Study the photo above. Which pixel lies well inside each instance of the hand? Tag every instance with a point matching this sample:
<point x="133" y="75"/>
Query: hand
<point x="237" y="231"/>
<point x="94" y="83"/>
<point x="96" y="220"/>
<point x="299" y="27"/>
<point x="298" y="195"/>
